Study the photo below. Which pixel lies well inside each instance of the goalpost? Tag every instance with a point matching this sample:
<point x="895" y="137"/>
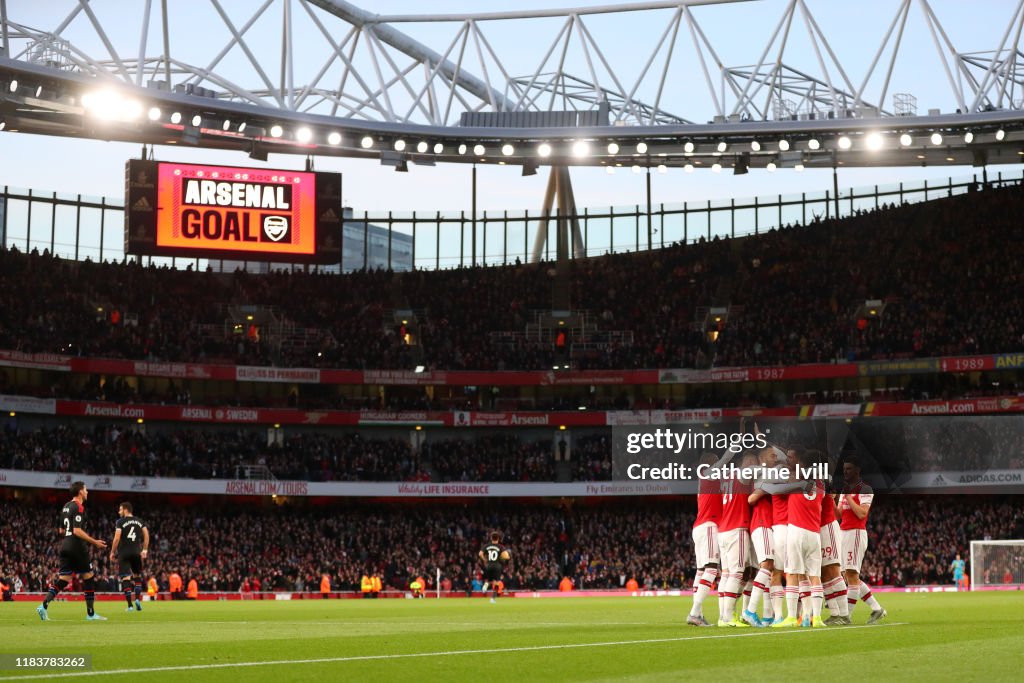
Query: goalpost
<point x="997" y="563"/>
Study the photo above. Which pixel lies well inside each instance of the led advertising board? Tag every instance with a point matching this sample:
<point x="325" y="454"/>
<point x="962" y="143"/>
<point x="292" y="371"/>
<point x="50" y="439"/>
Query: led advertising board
<point x="224" y="212"/>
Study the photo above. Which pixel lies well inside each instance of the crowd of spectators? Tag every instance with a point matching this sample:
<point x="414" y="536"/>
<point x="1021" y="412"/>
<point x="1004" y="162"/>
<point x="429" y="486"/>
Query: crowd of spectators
<point x="912" y="540"/>
<point x="892" y="449"/>
<point x="303" y="456"/>
<point x="209" y="454"/>
<point x="491" y="457"/>
<point x="945" y="281"/>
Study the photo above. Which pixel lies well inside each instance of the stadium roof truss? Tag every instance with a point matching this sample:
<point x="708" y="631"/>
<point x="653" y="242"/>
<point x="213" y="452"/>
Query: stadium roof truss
<point x="324" y="77"/>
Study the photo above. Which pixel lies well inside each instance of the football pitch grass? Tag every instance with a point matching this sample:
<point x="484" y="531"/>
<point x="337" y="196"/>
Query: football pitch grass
<point x="934" y="637"/>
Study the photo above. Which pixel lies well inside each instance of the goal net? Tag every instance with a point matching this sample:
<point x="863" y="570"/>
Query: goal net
<point x="997" y="563"/>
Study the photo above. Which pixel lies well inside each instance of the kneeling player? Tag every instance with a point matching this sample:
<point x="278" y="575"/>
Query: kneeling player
<point x="74" y="554"/>
<point x="130" y="547"/>
<point x="494" y="557"/>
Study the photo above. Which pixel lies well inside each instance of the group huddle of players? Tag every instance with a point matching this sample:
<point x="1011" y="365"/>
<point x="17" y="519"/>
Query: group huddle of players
<point x="786" y="547"/>
<point x="129" y="547"/>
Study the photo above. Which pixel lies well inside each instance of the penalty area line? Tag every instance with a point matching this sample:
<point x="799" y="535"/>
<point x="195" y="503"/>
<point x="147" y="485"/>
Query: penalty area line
<point x="443" y="653"/>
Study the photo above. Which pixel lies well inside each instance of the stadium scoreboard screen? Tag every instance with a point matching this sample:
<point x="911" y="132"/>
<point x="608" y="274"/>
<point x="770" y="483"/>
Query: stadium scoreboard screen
<point x="224" y="212"/>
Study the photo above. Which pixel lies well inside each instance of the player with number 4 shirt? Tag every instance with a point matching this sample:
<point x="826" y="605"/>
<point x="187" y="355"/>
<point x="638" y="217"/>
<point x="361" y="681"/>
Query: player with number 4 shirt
<point x="130" y="548"/>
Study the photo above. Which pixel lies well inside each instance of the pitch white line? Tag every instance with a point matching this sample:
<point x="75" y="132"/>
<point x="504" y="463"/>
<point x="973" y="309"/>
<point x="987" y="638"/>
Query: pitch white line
<point x="410" y="622"/>
<point x="444" y="653"/>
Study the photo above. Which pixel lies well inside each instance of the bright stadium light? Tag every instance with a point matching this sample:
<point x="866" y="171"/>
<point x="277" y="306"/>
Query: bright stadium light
<point x="241" y="127"/>
<point x="610" y="170"/>
<point x="771" y="167"/>
<point x="14" y="85"/>
<point x="936" y="139"/>
<point x="227" y="124"/>
<point x="783" y="145"/>
<point x="479" y="150"/>
<point x="812" y="144"/>
<point x="968" y="137"/>
<point x="462" y="148"/>
<point x="662" y="168"/>
<point x="176" y="118"/>
<point x="438" y="148"/>
<point x="334" y="138"/>
<point x="641" y="148"/>
<point x="303" y="134"/>
<point x="688" y="147"/>
<point x="544" y="149"/>
<point x="276" y="131"/>
<point x="1000" y="134"/>
<point x="399" y="145"/>
<point x="688" y="168"/>
<point x="722" y="146"/>
<point x="906" y="140"/>
<point x="3" y="124"/>
<point x="197" y="120"/>
<point x="422" y="146"/>
<point x="366" y="142"/>
<point x="755" y="146"/>
<point x="131" y="110"/>
<point x="613" y="148"/>
<point x="507" y="149"/>
<point x="154" y="113"/>
<point x="844" y="142"/>
<point x="109" y="105"/>
<point x="636" y="169"/>
<point x="716" y="167"/>
<point x="580" y="148"/>
<point x="799" y="168"/>
<point x="874" y="141"/>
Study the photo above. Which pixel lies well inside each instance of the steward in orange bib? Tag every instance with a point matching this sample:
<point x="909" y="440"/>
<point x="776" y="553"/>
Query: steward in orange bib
<point x="366" y="585"/>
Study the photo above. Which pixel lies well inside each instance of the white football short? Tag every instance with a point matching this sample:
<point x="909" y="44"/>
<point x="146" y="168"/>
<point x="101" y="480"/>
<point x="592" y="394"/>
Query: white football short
<point x="705" y="544"/>
<point x="735" y="545"/>
<point x="779" y="536"/>
<point x="803" y="551"/>
<point x="831" y="544"/>
<point x="854" y="543"/>
<point x="764" y="543"/>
